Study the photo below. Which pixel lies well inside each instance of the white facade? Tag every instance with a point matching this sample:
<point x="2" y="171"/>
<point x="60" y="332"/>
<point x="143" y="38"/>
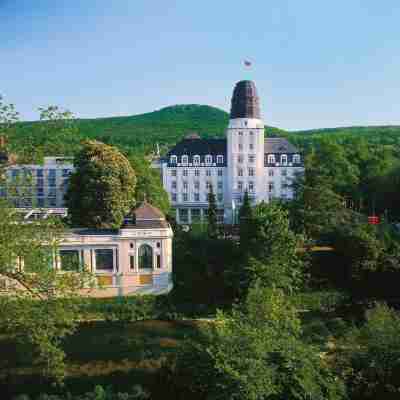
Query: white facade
<point x="38" y="185"/>
<point x="245" y="161"/>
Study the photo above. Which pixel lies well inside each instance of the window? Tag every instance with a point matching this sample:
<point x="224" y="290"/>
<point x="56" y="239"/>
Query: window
<point x="220" y="197"/>
<point x="104" y="259"/>
<point x="208" y="160"/>
<point x="251" y="186"/>
<point x="39" y="173"/>
<point x="240" y="159"/>
<point x="271" y="159"/>
<point x="270" y="172"/>
<point x="145" y="257"/>
<point x="251" y="158"/>
<point x="52" y="182"/>
<point x="174" y="159"/>
<point x="183" y="215"/>
<point x="195" y="212"/>
<point x="196" y="197"/>
<point x="240" y="186"/>
<point x="184" y="197"/>
<point x="251" y="171"/>
<point x="240" y="147"/>
<point x="196" y="160"/>
<point x="220" y="172"/>
<point x="185" y="172"/>
<point x="296" y="159"/>
<point x="185" y="186"/>
<point x="220" y="185"/>
<point x="251" y="146"/>
<point x="240" y="133"/>
<point x="158" y="260"/>
<point x="40" y="202"/>
<point x="52" y="192"/>
<point x="208" y="185"/>
<point x="240" y="172"/>
<point x="220" y="159"/>
<point x="39" y="191"/>
<point x="196" y="172"/>
<point x="251" y="133"/>
<point x="173" y="172"/>
<point x="66" y="172"/>
<point x="184" y="160"/>
<point x="208" y="172"/>
<point x="51" y="173"/>
<point x="271" y="186"/>
<point x="52" y="202"/>
<point x="173" y="185"/>
<point x="284" y="159"/>
<point x="284" y="172"/>
<point x="197" y="185"/>
<point x="132" y="262"/>
<point x="131" y="245"/>
<point x="173" y="197"/>
<point x="70" y="260"/>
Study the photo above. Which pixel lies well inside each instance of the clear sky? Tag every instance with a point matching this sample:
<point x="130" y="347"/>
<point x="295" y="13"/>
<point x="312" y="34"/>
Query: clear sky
<point x="316" y="63"/>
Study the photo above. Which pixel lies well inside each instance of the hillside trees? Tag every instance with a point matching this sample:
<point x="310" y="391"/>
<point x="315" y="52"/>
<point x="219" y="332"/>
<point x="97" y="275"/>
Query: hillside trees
<point x="102" y="188"/>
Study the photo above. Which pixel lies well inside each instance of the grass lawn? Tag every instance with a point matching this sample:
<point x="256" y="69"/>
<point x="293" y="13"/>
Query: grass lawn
<point x="106" y="353"/>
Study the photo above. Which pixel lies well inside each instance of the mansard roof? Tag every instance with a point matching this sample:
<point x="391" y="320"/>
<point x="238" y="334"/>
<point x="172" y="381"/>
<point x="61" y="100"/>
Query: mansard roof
<point x="201" y="147"/>
<point x="278" y="145"/>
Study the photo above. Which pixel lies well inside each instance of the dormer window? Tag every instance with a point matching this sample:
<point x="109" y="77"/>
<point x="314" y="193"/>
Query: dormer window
<point x="271" y="159"/>
<point x="185" y="160"/>
<point x="208" y="160"/>
<point x="174" y="159"/>
<point x="196" y="160"/>
<point x="296" y="159"/>
<point x="220" y="159"/>
<point x="284" y="159"/>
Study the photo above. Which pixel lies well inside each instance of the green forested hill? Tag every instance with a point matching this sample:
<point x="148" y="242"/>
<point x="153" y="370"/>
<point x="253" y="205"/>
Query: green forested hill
<point x="140" y="133"/>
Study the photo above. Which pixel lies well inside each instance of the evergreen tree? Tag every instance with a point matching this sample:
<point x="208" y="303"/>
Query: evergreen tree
<point x="212" y="227"/>
<point x="245" y="223"/>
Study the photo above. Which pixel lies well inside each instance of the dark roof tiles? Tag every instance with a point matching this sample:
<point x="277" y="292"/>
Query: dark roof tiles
<point x="245" y="102"/>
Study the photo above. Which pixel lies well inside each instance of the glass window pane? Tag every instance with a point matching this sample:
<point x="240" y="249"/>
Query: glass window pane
<point x="69" y="260"/>
<point x="104" y="259"/>
<point x="145" y="257"/>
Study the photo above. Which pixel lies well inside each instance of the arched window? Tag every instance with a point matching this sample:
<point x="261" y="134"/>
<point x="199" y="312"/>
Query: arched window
<point x="145" y="257"/>
<point x="196" y="160"/>
<point x="271" y="159"/>
<point x="284" y="159"/>
<point x="185" y="160"/>
<point x="174" y="159"/>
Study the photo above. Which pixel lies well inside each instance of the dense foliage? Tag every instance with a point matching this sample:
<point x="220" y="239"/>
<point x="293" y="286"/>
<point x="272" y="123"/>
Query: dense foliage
<point x="101" y="191"/>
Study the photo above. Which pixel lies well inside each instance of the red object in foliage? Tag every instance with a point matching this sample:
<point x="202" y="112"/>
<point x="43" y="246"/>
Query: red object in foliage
<point x="373" y="220"/>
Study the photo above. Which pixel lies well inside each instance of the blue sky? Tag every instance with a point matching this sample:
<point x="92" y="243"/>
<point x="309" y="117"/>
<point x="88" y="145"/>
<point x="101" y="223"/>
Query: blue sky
<point x="315" y="63"/>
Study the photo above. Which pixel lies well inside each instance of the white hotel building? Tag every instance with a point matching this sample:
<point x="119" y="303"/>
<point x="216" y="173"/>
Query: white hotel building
<point x="245" y="161"/>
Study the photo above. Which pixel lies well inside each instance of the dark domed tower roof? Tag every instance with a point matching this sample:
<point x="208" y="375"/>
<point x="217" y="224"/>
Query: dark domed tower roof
<point x="245" y="101"/>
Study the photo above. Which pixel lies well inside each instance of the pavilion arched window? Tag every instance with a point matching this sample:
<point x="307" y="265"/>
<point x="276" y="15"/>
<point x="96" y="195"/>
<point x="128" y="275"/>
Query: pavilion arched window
<point x="145" y="257"/>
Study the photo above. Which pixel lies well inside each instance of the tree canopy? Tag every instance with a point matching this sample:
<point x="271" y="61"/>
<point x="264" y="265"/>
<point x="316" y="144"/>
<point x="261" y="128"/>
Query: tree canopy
<point x="102" y="188"/>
